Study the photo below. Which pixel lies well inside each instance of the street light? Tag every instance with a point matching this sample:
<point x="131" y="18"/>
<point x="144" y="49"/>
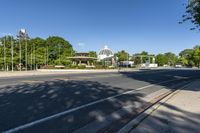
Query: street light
<point x="26" y="53"/>
<point x="22" y="35"/>
<point x="127" y="60"/>
<point x="4" y="53"/>
<point x="35" y="65"/>
<point x="12" y="51"/>
<point x="59" y="45"/>
<point x="1" y="44"/>
<point x="20" y="55"/>
<point x="19" y="36"/>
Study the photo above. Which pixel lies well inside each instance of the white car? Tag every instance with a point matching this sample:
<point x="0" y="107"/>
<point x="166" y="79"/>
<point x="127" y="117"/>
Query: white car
<point x="178" y="66"/>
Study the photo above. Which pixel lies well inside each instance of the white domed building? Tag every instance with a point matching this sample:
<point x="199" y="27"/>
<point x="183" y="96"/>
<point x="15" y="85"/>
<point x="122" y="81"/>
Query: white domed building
<point x="105" y="53"/>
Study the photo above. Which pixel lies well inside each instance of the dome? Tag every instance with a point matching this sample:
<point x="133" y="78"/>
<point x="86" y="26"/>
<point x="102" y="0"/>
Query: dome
<point x="105" y="53"/>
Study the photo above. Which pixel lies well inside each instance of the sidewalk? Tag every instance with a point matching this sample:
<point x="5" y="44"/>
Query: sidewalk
<point x="177" y="113"/>
<point x="49" y="71"/>
<point x="59" y="71"/>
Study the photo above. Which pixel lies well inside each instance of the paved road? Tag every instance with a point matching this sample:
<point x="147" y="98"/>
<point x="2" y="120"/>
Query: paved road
<point x="68" y="102"/>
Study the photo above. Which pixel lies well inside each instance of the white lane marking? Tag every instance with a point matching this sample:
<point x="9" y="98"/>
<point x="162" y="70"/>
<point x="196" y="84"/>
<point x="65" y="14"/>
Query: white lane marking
<point x="77" y="108"/>
<point x="98" y="76"/>
<point x="181" y="77"/>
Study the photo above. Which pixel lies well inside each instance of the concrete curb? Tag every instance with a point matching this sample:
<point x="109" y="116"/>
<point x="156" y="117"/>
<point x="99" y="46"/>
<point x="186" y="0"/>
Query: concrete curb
<point x="56" y="71"/>
<point x="97" y="125"/>
<point x="135" y="122"/>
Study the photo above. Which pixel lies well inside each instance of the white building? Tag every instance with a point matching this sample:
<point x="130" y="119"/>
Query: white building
<point x="105" y="53"/>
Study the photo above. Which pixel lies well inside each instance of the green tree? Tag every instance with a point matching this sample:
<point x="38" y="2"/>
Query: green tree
<point x="144" y="55"/>
<point x="167" y="58"/>
<point x="92" y="54"/>
<point x="186" y="53"/>
<point x="183" y="61"/>
<point x="196" y="56"/>
<point x="122" y="55"/>
<point x="161" y="59"/>
<point x="38" y="51"/>
<point x="6" y="41"/>
<point x="53" y="50"/>
<point x="186" y="57"/>
<point x="171" y="58"/>
<point x="58" y="49"/>
<point x="192" y="13"/>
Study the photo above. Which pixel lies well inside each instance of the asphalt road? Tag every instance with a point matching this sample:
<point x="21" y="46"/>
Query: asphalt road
<point x="68" y="102"/>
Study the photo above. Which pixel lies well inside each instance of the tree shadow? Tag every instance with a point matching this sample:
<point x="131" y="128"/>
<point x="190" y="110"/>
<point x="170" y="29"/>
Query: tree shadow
<point x="158" y="77"/>
<point x="25" y="103"/>
<point x="22" y="104"/>
<point x="170" y="120"/>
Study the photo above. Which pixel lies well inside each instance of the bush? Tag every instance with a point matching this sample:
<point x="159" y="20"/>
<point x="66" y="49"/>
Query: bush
<point x="73" y="66"/>
<point x="81" y="67"/>
<point x="101" y="67"/>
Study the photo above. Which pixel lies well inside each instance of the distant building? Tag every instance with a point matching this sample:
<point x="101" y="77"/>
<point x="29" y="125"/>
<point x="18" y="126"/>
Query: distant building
<point x="105" y="53"/>
<point x="83" y="59"/>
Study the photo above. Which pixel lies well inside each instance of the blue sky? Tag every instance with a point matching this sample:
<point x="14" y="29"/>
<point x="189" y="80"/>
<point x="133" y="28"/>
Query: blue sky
<point x="132" y="25"/>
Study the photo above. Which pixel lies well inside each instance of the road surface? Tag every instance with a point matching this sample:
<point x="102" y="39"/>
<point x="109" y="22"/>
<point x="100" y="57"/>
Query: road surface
<point x="74" y="102"/>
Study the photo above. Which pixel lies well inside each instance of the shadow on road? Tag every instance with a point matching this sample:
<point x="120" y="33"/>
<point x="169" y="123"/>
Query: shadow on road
<point x="25" y="103"/>
<point x="157" y="76"/>
<point x="167" y="122"/>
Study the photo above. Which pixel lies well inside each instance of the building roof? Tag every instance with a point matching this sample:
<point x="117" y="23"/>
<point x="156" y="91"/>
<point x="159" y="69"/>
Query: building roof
<point x="106" y="51"/>
<point x="82" y="58"/>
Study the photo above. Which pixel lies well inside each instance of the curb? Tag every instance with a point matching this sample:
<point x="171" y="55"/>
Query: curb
<point x="135" y="122"/>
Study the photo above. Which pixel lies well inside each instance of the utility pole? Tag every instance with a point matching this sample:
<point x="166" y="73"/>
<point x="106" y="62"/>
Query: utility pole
<point x="59" y="54"/>
<point x="12" y="51"/>
<point x="34" y="57"/>
<point x="45" y="59"/>
<point x="127" y="61"/>
<point x="26" y="53"/>
<point x="22" y="35"/>
<point x="1" y="45"/>
<point x="31" y="58"/>
<point x="4" y="53"/>
<point x="47" y="55"/>
<point x="20" y="55"/>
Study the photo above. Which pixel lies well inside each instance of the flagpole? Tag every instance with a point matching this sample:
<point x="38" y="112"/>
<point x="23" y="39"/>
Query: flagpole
<point x="12" y="51"/>
<point x="4" y="53"/>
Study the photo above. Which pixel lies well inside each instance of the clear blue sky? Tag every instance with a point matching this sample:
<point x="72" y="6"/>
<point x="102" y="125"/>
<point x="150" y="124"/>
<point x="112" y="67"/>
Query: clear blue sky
<point x="132" y="25"/>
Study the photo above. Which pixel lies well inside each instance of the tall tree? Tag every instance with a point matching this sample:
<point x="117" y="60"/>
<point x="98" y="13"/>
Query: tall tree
<point x="93" y="54"/>
<point x="38" y="51"/>
<point x="183" y="61"/>
<point x="193" y="13"/>
<point x="58" y="49"/>
<point x="186" y="57"/>
<point x="171" y="58"/>
<point x="161" y="59"/>
<point x="122" y="55"/>
<point x="196" y="56"/>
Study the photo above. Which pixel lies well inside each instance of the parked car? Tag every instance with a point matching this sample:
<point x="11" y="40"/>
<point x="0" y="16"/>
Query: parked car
<point x="178" y="65"/>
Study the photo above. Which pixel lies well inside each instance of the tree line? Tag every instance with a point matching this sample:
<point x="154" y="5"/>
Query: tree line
<point x="187" y="57"/>
<point x="34" y="53"/>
